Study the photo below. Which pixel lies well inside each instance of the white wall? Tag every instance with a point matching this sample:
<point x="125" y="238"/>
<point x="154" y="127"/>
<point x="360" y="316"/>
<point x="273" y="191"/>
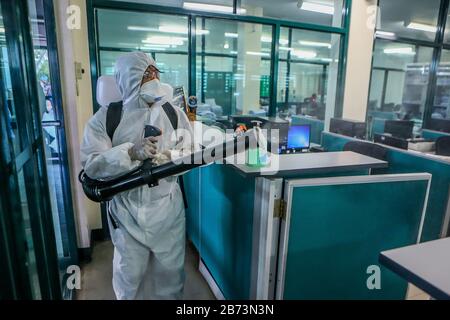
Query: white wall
<point x="359" y="60"/>
<point x="77" y="105"/>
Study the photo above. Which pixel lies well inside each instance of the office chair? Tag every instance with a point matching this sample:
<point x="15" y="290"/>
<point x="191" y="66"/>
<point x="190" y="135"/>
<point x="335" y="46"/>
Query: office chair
<point x="367" y="149"/>
<point x="443" y="146"/>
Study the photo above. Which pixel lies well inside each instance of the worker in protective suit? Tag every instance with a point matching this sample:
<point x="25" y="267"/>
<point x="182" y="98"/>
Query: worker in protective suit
<point x="147" y="224"/>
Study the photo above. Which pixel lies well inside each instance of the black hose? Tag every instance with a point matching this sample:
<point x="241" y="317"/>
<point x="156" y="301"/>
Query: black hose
<point x="100" y="191"/>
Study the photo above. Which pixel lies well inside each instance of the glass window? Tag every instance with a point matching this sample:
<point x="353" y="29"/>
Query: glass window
<point x="142" y="31"/>
<point x="233" y="67"/>
<point x="401" y="74"/>
<point x="175" y="68"/>
<point x="322" y="12"/>
<point x="376" y="88"/>
<point x="441" y="105"/>
<point x="413" y="19"/>
<point x="283" y="83"/>
<point x="310" y="79"/>
<point x="163" y="36"/>
<point x="108" y="62"/>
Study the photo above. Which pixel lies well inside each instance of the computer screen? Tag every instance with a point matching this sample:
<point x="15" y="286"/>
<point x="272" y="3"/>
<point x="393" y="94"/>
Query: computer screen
<point x="442" y="125"/>
<point x="399" y="129"/>
<point x="299" y="137"/>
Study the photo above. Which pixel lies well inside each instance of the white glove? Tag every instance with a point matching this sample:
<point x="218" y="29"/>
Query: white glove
<point x="162" y="158"/>
<point x="146" y="149"/>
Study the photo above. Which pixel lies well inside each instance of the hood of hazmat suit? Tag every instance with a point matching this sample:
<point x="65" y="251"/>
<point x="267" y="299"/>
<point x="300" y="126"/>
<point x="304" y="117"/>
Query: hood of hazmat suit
<point x="147" y="225"/>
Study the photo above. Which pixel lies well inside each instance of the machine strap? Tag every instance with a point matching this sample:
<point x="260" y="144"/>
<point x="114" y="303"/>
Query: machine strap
<point x="171" y="114"/>
<point x="114" y="115"/>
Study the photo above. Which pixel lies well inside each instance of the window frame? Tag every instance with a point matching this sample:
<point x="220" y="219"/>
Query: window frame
<point x="276" y="25"/>
<point x="437" y="45"/>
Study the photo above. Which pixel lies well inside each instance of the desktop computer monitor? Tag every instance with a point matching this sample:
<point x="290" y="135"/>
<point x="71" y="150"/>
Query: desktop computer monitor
<point x="299" y="138"/>
<point x="349" y="128"/>
<point x="442" y="125"/>
<point x="399" y="129"/>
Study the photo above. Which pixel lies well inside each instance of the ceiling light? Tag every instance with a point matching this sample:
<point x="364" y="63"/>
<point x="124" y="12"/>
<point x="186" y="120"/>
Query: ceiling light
<point x="226" y="46"/>
<point x="233" y="52"/>
<point x="137" y="28"/>
<point x="422" y="27"/>
<point x="266" y="39"/>
<point x="304" y="54"/>
<point x="317" y="7"/>
<point x="284" y="42"/>
<point x="285" y="48"/>
<point x="150" y="47"/>
<point x="2" y="30"/>
<point x="315" y="44"/>
<point x="158" y="45"/>
<point x="255" y="53"/>
<point x="231" y="35"/>
<point x="173" y="29"/>
<point x="167" y="29"/>
<point x="211" y="7"/>
<point x="165" y="40"/>
<point x="385" y="33"/>
<point x="180" y="30"/>
<point x="405" y="50"/>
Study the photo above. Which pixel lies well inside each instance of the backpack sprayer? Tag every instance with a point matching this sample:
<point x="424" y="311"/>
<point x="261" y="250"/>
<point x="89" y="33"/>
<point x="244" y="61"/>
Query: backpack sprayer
<point x="150" y="174"/>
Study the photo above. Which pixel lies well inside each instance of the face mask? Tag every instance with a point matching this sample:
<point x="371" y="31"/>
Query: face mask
<point x="151" y="91"/>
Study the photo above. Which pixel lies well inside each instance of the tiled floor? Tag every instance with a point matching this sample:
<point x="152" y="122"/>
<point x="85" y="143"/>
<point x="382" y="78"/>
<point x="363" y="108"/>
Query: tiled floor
<point x="415" y="293"/>
<point x="96" y="276"/>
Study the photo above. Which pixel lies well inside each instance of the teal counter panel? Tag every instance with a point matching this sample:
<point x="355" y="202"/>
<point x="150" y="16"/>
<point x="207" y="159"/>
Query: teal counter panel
<point x="317" y="126"/>
<point x="329" y="250"/>
<point x="334" y="142"/>
<point x="220" y="222"/>
<point x="433" y="135"/>
<point x="192" y="185"/>
<point x="401" y="161"/>
<point x="226" y="228"/>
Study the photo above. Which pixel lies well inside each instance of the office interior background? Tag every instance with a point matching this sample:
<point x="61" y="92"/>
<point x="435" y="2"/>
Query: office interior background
<point x="306" y="61"/>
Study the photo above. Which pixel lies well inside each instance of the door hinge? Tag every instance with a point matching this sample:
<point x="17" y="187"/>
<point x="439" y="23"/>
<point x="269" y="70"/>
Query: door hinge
<point x="279" y="210"/>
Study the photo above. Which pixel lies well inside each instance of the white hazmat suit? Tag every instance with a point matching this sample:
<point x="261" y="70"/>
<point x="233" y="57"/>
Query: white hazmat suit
<point x="149" y="241"/>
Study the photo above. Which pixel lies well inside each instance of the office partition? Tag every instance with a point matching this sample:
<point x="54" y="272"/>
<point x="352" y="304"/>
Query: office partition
<point x="328" y="247"/>
<point x="402" y="161"/>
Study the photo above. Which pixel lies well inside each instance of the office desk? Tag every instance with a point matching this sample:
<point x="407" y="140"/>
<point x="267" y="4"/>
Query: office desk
<point x="425" y="265"/>
<point x="290" y="165"/>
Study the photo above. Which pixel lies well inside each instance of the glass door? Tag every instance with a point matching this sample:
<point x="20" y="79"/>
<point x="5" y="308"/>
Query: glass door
<point x="16" y="228"/>
<point x="42" y="25"/>
<point x="27" y="238"/>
